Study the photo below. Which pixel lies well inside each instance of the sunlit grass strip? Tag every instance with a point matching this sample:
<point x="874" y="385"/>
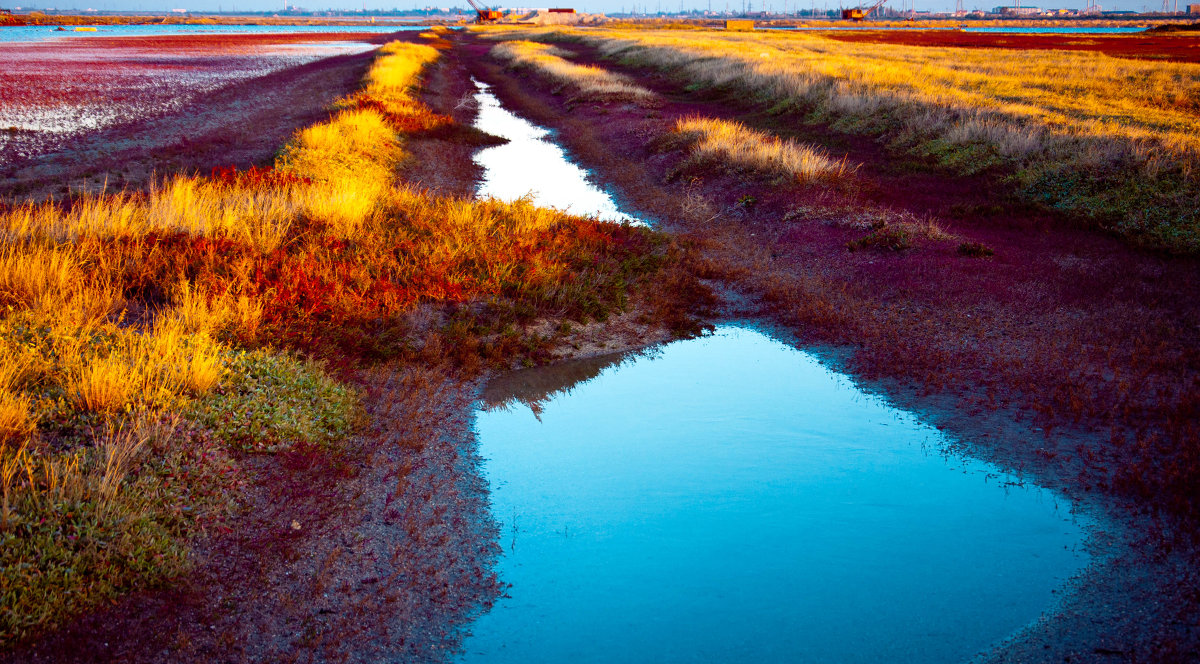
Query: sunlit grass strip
<point x="588" y="81"/>
<point x="714" y="141"/>
<point x="1107" y="138"/>
<point x="339" y="171"/>
<point x="76" y="526"/>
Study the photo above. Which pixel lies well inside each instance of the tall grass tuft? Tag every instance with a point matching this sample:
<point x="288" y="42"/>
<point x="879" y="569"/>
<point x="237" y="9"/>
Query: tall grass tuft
<point x="17" y="420"/>
<point x="720" y="142"/>
<point x="589" y="82"/>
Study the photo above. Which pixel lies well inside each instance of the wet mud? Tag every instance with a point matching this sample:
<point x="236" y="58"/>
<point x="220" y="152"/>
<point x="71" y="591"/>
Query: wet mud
<point x="1003" y="352"/>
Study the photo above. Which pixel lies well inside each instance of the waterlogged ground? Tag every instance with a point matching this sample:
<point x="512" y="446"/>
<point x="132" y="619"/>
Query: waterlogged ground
<point x="730" y="499"/>
<point x="532" y="164"/>
<point x="54" y="90"/>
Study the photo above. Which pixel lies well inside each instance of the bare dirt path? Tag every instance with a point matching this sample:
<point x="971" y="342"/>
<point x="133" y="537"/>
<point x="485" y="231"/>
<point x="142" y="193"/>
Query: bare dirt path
<point x="1049" y="358"/>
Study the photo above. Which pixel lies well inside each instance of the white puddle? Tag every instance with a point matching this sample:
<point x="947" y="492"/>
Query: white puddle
<point x="532" y="165"/>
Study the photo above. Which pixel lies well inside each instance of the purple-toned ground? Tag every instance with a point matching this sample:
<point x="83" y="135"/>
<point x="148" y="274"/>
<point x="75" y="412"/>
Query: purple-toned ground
<point x="53" y="93"/>
<point x="116" y="113"/>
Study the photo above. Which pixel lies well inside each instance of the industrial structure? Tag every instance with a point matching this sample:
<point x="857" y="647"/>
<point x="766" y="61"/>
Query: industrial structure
<point x="860" y="14"/>
<point x="485" y="14"/>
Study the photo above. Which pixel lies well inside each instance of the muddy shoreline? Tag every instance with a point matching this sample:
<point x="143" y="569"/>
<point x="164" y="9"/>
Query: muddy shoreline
<point x="1136" y="602"/>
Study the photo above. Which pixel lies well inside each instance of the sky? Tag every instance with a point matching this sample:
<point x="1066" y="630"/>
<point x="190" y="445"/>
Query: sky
<point x="603" y="6"/>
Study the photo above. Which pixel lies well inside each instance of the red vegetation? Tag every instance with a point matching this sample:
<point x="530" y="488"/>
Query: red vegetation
<point x="406" y="117"/>
<point x="255" y="176"/>
<point x="338" y="297"/>
<point x="1177" y="48"/>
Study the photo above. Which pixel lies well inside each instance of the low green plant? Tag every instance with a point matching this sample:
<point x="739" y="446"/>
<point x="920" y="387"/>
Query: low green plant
<point x="274" y="401"/>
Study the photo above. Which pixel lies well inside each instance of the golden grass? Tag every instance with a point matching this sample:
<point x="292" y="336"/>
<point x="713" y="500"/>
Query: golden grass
<point x="1109" y="138"/>
<point x="715" y="141"/>
<point x="17" y="420"/>
<point x="340" y="170"/>
<point x="102" y="379"/>
<point x="118" y="449"/>
<point x="258" y="216"/>
<point x="589" y="82"/>
<point x="994" y="92"/>
<point x="27" y="274"/>
<point x="151" y="369"/>
<point x="101" y="384"/>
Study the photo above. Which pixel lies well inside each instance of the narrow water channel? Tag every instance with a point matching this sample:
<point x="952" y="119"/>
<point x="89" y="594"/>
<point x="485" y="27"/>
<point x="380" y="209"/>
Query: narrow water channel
<point x="532" y="164"/>
<point x="729" y="499"/>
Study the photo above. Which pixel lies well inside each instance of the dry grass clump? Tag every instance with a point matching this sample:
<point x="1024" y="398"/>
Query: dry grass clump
<point x="17" y="420"/>
<point x="886" y="229"/>
<point x="588" y="82"/>
<point x="143" y="370"/>
<point x="720" y="142"/>
<point x="1109" y="139"/>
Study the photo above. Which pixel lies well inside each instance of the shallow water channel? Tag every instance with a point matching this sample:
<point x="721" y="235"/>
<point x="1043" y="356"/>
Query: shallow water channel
<point x="532" y="164"/>
<point x="730" y="499"/>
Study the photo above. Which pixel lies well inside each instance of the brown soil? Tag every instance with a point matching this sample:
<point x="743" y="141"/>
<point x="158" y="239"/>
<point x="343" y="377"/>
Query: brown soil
<point x="1045" y="358"/>
<point x="381" y="552"/>
<point x="443" y="167"/>
<point x="1181" y="47"/>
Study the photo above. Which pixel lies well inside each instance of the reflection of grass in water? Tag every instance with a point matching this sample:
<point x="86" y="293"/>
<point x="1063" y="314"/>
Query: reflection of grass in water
<point x="537" y="386"/>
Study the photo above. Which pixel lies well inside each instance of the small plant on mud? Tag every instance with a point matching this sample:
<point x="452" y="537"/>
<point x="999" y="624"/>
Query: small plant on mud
<point x="887" y="238"/>
<point x="975" y="250"/>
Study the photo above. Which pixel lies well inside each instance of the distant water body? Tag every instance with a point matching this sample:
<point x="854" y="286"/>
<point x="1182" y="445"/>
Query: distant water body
<point x="31" y="33"/>
<point x="1013" y="30"/>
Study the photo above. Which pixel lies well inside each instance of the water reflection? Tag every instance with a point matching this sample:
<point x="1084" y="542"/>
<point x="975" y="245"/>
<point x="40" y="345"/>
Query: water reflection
<point x="530" y="164"/>
<point x="534" y="388"/>
<point x="728" y="499"/>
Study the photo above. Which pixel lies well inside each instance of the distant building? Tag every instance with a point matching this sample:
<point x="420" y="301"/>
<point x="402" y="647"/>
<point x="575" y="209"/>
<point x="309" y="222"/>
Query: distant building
<point x="1017" y="11"/>
<point x="1194" y="9"/>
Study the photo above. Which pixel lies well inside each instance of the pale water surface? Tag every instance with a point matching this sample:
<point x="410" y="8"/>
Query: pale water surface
<point x="532" y="164"/>
<point x="729" y="499"/>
